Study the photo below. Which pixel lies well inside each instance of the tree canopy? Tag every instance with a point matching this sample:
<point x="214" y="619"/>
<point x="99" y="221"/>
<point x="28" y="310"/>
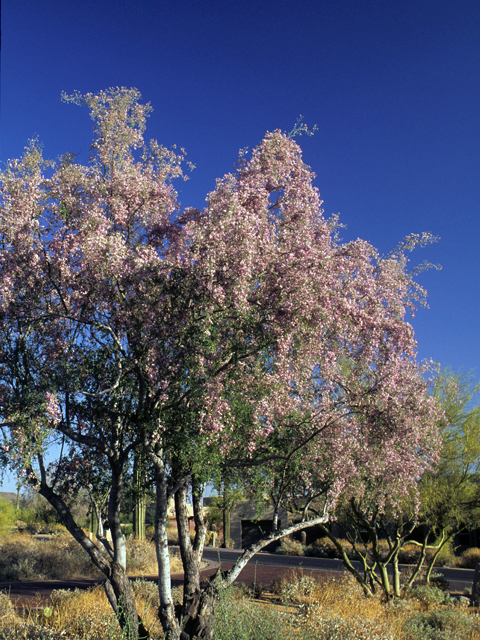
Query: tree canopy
<point x="244" y="335"/>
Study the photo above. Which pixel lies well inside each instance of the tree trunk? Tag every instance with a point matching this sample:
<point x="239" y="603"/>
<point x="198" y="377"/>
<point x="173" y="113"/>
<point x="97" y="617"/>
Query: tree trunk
<point x="166" y="610"/>
<point x="226" y="527"/>
<point x="140" y="496"/>
<point x="125" y="610"/>
<point x="475" y="597"/>
<point x="443" y="542"/>
<point x="199" y="616"/>
<point x="419" y="565"/>
<point x="118" y="589"/>
<point x="198" y="607"/>
<point x="368" y="589"/>
<point x="114" y="505"/>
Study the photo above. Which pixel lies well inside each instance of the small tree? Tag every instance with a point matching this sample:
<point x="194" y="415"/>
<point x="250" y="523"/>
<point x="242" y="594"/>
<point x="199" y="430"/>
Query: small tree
<point x="450" y="499"/>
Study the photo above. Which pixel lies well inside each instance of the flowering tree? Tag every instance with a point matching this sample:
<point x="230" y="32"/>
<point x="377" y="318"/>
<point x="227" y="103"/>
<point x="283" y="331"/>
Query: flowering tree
<point x="242" y="335"/>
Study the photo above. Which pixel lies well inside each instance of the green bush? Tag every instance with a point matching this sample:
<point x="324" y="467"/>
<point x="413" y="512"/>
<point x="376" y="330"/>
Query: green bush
<point x="441" y="624"/>
<point x="7" y="515"/>
<point x="237" y="618"/>
<point x="447" y="557"/>
<point x="429" y="596"/>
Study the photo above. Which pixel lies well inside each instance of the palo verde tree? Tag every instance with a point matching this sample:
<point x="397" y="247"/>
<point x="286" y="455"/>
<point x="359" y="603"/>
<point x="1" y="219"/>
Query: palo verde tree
<point x="450" y="499"/>
<point x="242" y="336"/>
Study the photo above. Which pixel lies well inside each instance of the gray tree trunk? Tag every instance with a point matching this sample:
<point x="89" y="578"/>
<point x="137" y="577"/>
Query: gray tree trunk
<point x="166" y="611"/>
<point x="117" y="587"/>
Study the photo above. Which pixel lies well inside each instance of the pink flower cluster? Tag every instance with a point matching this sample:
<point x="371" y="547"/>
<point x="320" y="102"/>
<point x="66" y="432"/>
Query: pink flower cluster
<point x="244" y="330"/>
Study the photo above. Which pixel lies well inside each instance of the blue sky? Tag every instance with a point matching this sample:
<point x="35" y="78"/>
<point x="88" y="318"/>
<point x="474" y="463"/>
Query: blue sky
<point x="393" y="85"/>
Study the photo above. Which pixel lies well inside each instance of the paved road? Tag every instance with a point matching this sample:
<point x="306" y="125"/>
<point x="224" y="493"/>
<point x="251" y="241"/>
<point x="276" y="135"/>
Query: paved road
<point x="458" y="579"/>
<point x="264" y="568"/>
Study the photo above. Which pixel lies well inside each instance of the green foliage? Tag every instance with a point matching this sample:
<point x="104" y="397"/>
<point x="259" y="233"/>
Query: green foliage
<point x="237" y="618"/>
<point x="428" y="595"/>
<point x="36" y="512"/>
<point x="449" y="493"/>
<point x="440" y="625"/>
<point x="7" y="515"/>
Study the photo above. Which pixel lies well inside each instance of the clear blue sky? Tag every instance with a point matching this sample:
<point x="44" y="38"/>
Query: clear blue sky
<point x="393" y="85"/>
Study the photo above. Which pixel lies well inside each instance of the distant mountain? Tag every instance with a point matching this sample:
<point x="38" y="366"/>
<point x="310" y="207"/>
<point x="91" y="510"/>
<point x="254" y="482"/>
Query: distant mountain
<point x="9" y="496"/>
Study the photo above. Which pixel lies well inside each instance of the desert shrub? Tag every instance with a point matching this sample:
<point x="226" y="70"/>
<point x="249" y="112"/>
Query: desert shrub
<point x="238" y="618"/>
<point x="441" y="624"/>
<point x="81" y="610"/>
<point x="469" y="558"/>
<point x="87" y="613"/>
<point x="172" y="536"/>
<point x="353" y="629"/>
<point x="447" y="557"/>
<point x="324" y="548"/>
<point x="383" y="549"/>
<point x="289" y="547"/>
<point x="141" y="557"/>
<point x="428" y="596"/>
<point x="298" y="589"/>
<point x="438" y="580"/>
<point x="147" y="590"/>
<point x="7" y="611"/>
<point x="31" y="631"/>
<point x="150" y="533"/>
<point x="23" y="557"/>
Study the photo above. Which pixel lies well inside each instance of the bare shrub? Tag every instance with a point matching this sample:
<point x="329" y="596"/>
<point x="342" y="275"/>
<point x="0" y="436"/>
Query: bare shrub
<point x="24" y="557"/>
<point x="141" y="557"/>
<point x="299" y="589"/>
<point x="409" y="554"/>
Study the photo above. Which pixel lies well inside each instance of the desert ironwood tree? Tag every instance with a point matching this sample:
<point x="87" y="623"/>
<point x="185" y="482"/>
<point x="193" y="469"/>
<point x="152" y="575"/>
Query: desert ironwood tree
<point x="244" y="335"/>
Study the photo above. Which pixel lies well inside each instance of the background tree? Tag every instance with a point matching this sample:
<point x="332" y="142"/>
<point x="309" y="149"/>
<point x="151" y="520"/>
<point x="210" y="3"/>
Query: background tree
<point x="450" y="499"/>
<point x="7" y="515"/>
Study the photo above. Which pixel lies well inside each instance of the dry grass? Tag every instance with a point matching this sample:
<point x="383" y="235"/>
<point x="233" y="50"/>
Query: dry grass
<point x="24" y="557"/>
<point x="335" y="610"/>
<point x="469" y="558"/>
<point x="338" y="610"/>
<point x="344" y="600"/>
<point x="304" y="609"/>
<point x="74" y="615"/>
